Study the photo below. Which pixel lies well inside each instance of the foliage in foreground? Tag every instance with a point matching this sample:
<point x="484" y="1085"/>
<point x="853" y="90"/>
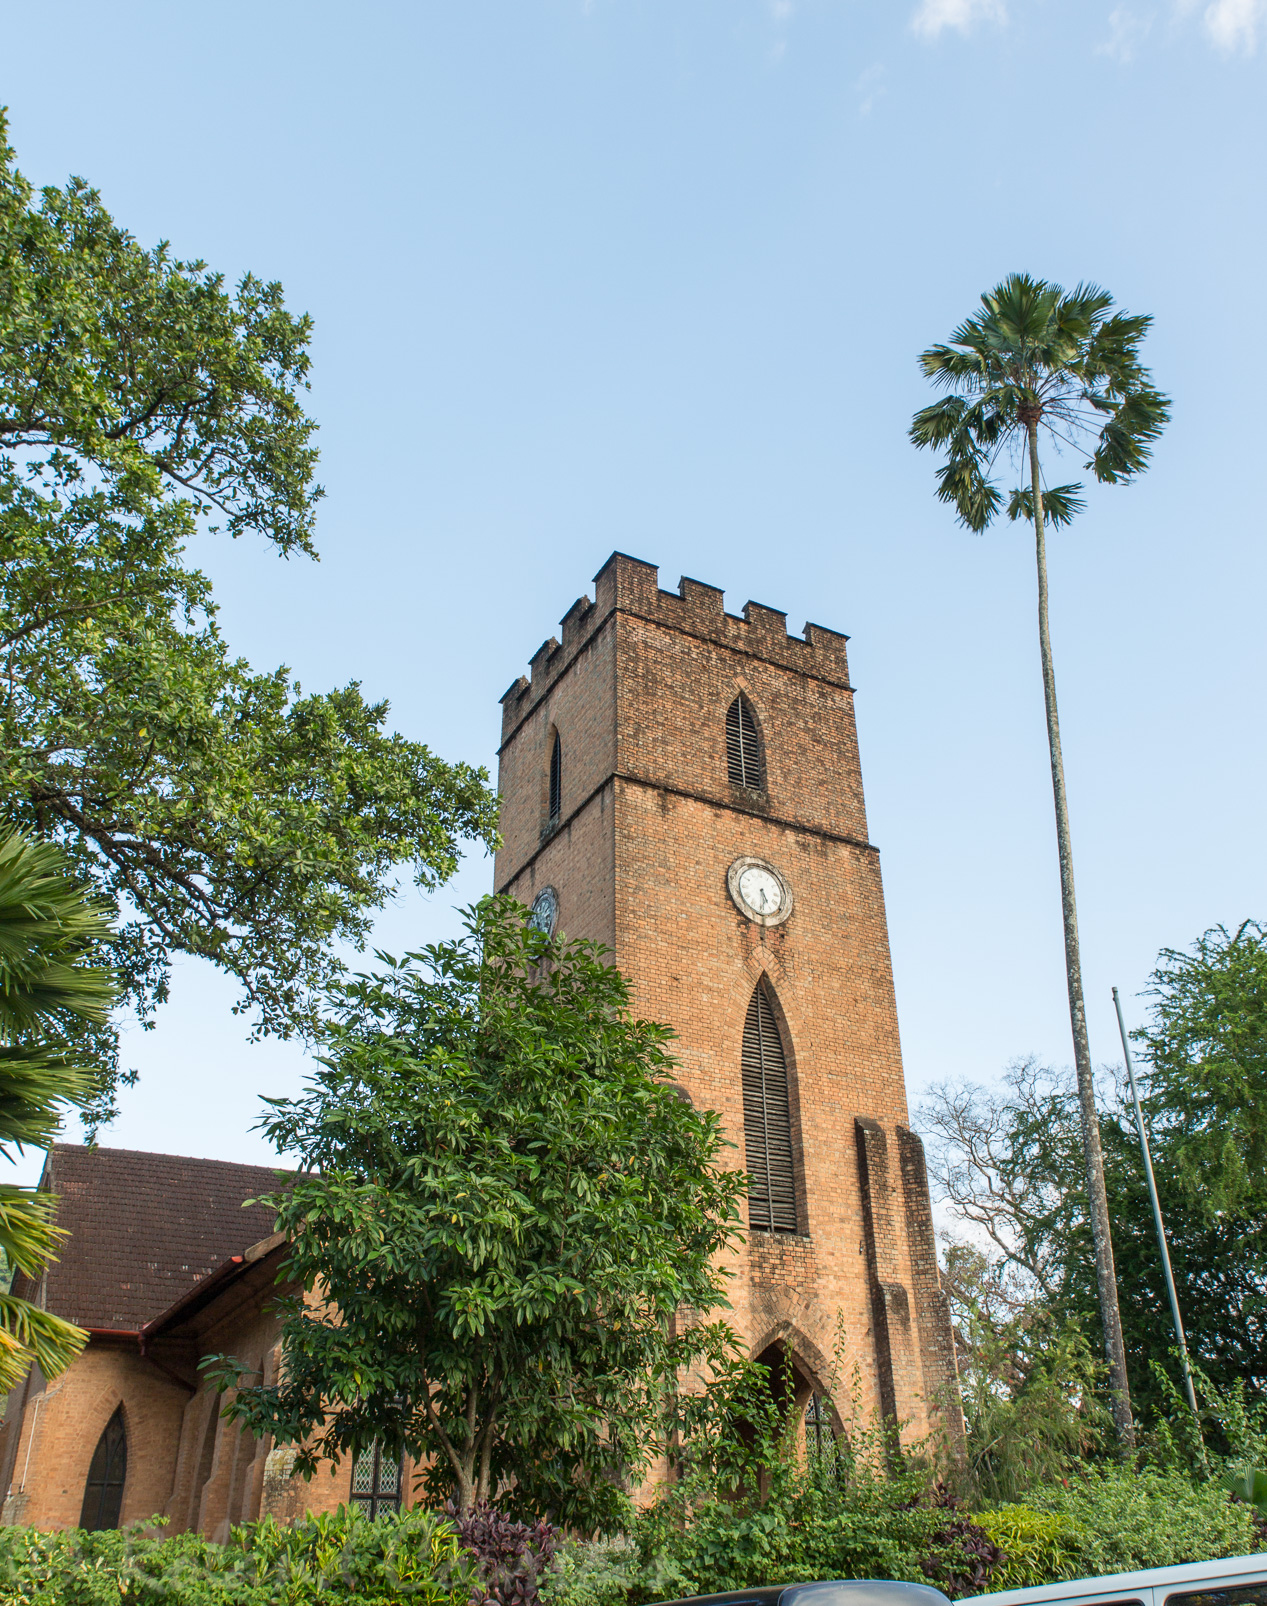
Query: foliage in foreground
<point x="226" y="814"/>
<point x="828" y="1518"/>
<point x="340" y="1556"/>
<point x="505" y="1206"/>
<point x="49" y="992"/>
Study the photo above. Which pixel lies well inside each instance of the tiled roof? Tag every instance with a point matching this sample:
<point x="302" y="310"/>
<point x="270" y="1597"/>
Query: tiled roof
<point x="144" y="1228"/>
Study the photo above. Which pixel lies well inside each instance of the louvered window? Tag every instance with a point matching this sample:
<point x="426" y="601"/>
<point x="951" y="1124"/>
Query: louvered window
<point x="767" y="1124"/>
<point x="103" y="1492"/>
<point x="743" y="749"/>
<point x="556" y="780"/>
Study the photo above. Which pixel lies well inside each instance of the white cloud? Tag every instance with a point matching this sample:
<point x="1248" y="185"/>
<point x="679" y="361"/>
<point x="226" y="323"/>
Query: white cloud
<point x="781" y="14"/>
<point x="1232" y="25"/>
<point x="870" y="86"/>
<point x="1127" y="30"/>
<point x="935" y="16"/>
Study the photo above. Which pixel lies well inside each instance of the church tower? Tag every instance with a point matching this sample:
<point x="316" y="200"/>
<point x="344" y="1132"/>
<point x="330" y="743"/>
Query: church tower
<point x="683" y="785"/>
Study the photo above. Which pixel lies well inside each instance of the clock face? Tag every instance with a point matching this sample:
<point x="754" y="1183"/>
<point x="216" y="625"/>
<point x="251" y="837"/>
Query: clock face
<point x="545" y="910"/>
<point x="760" y="890"/>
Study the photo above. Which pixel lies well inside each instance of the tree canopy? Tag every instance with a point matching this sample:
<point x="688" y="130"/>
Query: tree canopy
<point x="1036" y="357"/>
<point x="222" y="811"/>
<point x="508" y="1225"/>
<point x="1009" y="1161"/>
<point x="49" y="990"/>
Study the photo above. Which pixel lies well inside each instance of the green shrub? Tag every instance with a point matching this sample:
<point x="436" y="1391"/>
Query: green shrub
<point x="1038" y="1546"/>
<point x="591" y="1572"/>
<point x="1122" y="1519"/>
<point x="339" y="1555"/>
<point x="1116" y="1519"/>
<point x="866" y="1525"/>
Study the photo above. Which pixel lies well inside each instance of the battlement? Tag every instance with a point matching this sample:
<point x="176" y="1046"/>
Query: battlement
<point x="628" y="585"/>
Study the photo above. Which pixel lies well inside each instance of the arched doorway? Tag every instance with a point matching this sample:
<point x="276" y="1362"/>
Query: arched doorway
<point x="798" y="1397"/>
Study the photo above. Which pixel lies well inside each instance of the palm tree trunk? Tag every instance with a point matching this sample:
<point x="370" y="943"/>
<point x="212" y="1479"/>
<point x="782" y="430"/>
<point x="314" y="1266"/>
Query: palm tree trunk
<point x="1105" y="1273"/>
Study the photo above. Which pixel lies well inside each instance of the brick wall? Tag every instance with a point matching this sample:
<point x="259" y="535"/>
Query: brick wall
<point x="57" y="1428"/>
<point x="638" y="689"/>
<point x="184" y="1461"/>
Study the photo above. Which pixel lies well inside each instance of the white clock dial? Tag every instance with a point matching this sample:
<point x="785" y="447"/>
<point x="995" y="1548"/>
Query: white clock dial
<point x="760" y="890"/>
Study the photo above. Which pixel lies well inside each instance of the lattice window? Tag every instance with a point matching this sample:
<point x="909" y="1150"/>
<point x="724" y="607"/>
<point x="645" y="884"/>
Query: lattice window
<point x="556" y="780"/>
<point x="103" y="1493"/>
<point x="743" y="746"/>
<point x="767" y="1121"/>
<point x="820" y="1435"/>
<point x="377" y="1479"/>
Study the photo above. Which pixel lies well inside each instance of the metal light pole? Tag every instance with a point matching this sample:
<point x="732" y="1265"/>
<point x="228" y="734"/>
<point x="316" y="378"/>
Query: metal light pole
<point x="1161" y="1230"/>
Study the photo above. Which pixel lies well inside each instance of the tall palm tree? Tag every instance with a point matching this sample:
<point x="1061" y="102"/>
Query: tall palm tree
<point x="49" y="991"/>
<point x="1034" y="359"/>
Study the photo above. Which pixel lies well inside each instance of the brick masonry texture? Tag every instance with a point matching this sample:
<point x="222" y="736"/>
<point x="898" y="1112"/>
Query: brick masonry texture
<point x="162" y="1268"/>
<point x="637" y="690"/>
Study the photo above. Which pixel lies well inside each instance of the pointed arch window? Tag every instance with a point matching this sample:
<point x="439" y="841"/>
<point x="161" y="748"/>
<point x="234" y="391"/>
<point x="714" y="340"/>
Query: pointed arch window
<point x="103" y="1493"/>
<point x="556" y="780"/>
<point x="743" y="746"/>
<point x="767" y="1121"/>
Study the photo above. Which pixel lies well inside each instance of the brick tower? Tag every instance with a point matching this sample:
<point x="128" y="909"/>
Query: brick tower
<point x="684" y="785"/>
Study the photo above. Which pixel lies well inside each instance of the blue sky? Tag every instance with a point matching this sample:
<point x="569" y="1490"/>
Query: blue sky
<point x="653" y="276"/>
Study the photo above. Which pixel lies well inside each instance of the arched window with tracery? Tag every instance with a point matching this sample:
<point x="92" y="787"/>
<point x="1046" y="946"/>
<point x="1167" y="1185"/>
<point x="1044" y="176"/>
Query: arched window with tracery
<point x="556" y="780"/>
<point x="767" y="1121"/>
<point x="103" y="1493"/>
<point x="743" y="746"/>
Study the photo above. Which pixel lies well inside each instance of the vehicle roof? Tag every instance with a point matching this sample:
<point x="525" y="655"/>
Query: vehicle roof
<point x="863" y="1591"/>
<point x="1111" y="1584"/>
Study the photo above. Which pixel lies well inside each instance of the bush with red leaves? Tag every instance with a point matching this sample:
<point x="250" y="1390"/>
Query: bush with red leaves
<point x="962" y="1558"/>
<point x="512" y="1556"/>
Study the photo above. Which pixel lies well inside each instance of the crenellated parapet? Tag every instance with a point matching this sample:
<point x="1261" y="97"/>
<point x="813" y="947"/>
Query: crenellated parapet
<point x="629" y="586"/>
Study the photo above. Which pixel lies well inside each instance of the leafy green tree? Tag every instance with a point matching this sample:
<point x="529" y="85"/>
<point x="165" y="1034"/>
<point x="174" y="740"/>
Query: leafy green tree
<point x="1030" y="1384"/>
<point x="1206" y="1047"/>
<point x="221" y="811"/>
<point x="1035" y="359"/>
<point x="1009" y="1162"/>
<point x="48" y="992"/>
<point x="508" y="1225"/>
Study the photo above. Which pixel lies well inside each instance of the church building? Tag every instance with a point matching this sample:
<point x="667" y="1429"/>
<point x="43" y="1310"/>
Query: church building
<point x="683" y="785"/>
<point x="167" y="1262"/>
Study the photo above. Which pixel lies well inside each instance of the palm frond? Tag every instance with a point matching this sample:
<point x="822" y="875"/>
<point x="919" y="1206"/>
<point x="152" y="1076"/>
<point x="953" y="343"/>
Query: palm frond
<point x="1034" y="352"/>
<point x="48" y="928"/>
<point x="28" y="1334"/>
<point x="36" y="1082"/>
<point x="1126" y="441"/>
<point x="1060" y="504"/>
<point x="28" y="1235"/>
<point x="49" y="988"/>
<point x="961" y="483"/>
